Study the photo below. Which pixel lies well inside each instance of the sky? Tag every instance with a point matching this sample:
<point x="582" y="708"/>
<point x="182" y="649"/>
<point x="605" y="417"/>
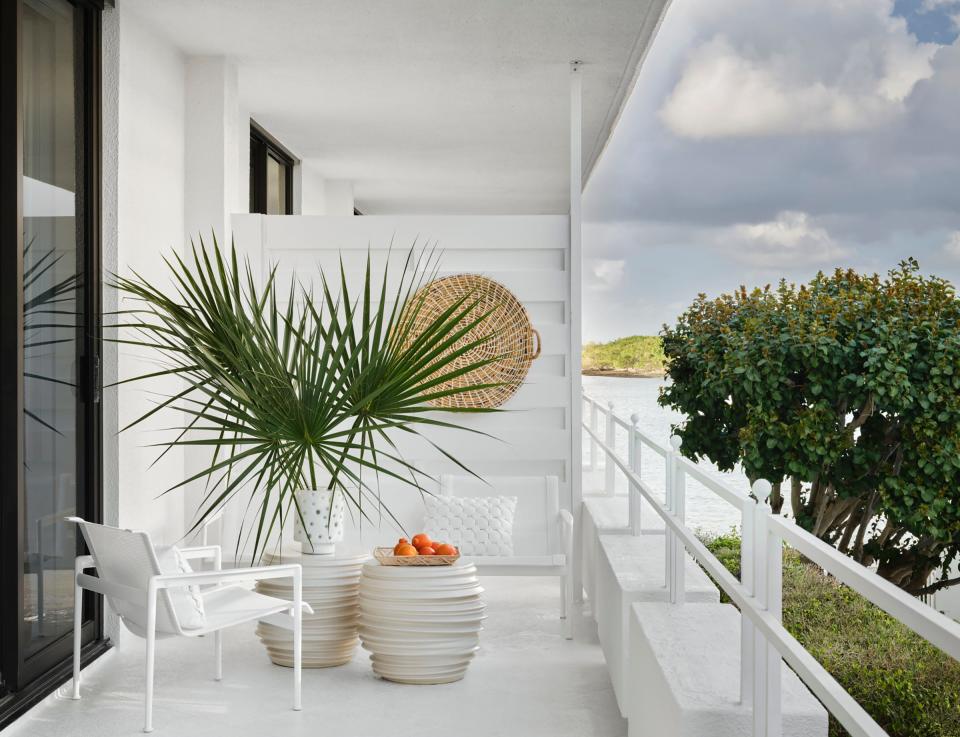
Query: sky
<point x="771" y="139"/>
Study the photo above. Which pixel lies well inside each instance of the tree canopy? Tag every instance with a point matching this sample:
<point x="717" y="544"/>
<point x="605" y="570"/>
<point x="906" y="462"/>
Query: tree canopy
<point x="844" y="393"/>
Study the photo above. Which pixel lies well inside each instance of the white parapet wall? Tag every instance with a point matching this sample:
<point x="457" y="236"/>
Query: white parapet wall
<point x="601" y="516"/>
<point x="529" y="255"/>
<point x="685" y="676"/>
<point x="630" y="569"/>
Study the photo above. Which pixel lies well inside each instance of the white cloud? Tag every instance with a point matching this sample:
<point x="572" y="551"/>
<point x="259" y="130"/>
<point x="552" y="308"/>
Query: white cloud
<point x="847" y="66"/>
<point x="791" y="239"/>
<point x="605" y="274"/>
<point x="952" y="246"/>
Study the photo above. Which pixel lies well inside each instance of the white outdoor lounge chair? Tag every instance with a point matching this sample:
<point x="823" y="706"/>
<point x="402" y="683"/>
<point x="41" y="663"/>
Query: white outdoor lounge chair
<point x="542" y="532"/>
<point x="129" y="575"/>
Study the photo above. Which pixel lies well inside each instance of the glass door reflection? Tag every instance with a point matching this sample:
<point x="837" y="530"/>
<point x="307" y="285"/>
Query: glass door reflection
<point x="53" y="325"/>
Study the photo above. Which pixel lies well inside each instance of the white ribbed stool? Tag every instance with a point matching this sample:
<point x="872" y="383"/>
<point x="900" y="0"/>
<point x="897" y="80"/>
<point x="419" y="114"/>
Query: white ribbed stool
<point x="421" y="624"/>
<point x="330" y="586"/>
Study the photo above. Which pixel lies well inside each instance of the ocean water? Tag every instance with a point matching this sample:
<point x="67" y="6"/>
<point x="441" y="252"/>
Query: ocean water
<point x="705" y="510"/>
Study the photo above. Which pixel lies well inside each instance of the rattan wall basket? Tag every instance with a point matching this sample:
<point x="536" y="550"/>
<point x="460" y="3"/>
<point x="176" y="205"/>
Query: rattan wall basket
<point x="513" y="337"/>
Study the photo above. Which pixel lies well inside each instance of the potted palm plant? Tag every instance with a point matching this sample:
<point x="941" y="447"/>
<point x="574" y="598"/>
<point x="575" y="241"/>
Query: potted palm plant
<point x="300" y="396"/>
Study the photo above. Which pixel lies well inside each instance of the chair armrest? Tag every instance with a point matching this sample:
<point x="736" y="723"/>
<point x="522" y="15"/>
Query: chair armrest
<point x="204" y="552"/>
<point x="204" y="529"/>
<point x="259" y="573"/>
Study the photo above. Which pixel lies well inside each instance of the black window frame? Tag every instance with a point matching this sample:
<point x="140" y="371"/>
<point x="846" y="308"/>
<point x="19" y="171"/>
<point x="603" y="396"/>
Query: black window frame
<point x="25" y="682"/>
<point x="264" y="146"/>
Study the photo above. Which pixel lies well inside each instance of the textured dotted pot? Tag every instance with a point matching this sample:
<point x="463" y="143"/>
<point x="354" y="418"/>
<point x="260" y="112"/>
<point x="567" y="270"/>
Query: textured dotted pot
<point x="321" y="527"/>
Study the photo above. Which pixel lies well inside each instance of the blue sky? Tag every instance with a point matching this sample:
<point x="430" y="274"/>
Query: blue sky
<point x="769" y="140"/>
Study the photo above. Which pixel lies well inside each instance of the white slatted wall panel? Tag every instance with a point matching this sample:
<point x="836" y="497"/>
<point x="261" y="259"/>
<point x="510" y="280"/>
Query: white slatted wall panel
<point x="527" y="254"/>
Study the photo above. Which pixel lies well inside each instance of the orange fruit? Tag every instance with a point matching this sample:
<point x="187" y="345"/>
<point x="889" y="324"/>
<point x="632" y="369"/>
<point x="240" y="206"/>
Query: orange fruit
<point x="426" y="550"/>
<point x="405" y="550"/>
<point x="421" y="540"/>
<point x="400" y="543"/>
<point x="445" y="549"/>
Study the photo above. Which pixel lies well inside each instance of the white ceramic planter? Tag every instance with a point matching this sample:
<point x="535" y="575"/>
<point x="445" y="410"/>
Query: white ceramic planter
<point x="321" y="527"/>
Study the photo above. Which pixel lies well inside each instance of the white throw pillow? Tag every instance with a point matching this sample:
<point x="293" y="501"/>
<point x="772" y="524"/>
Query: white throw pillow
<point x="476" y="525"/>
<point x="186" y="600"/>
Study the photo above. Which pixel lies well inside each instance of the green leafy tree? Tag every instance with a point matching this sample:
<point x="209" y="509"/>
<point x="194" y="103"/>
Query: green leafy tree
<point x="845" y="393"/>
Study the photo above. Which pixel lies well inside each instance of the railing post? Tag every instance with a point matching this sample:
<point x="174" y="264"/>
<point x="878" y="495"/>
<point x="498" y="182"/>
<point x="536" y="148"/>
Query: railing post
<point x="747" y="533"/>
<point x="679" y="511"/>
<point x="610" y="440"/>
<point x="633" y="459"/>
<point x="668" y="506"/>
<point x="593" y="440"/>
<point x="767" y="592"/>
<point x="774" y="555"/>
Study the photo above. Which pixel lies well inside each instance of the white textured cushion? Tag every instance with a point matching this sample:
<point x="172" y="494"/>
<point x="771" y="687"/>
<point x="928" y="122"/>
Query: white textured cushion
<point x="186" y="600"/>
<point x="478" y="525"/>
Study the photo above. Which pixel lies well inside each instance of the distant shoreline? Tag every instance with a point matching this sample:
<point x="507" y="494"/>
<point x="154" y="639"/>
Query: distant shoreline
<point x="623" y="373"/>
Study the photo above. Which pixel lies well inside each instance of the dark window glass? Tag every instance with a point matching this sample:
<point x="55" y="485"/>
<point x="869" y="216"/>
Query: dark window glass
<point x="271" y="175"/>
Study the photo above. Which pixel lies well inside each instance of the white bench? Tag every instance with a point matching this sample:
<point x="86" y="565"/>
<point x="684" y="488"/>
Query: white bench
<point x="542" y="532"/>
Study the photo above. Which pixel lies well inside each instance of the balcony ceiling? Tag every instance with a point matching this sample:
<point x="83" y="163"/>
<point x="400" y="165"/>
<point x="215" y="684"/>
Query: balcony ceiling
<point x="456" y="106"/>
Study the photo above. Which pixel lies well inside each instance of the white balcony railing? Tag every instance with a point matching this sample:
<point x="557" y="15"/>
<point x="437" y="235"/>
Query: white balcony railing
<point x="765" y="644"/>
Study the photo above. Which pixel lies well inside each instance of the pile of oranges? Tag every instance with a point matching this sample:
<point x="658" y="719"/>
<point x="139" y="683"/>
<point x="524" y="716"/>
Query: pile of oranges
<point x="422" y="545"/>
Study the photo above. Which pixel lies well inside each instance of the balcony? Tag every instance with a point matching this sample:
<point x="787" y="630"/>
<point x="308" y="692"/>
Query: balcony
<point x="526" y="680"/>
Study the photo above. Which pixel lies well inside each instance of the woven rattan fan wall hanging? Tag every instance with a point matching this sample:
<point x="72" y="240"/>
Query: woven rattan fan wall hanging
<point x="508" y="322"/>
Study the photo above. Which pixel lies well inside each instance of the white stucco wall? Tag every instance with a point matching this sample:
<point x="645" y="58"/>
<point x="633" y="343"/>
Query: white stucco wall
<point x="150" y="222"/>
<point x="310" y="189"/>
<point x="339" y="195"/>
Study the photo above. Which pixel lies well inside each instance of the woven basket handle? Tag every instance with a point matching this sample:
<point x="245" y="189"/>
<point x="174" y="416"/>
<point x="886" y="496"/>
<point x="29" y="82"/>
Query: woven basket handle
<point x="536" y="335"/>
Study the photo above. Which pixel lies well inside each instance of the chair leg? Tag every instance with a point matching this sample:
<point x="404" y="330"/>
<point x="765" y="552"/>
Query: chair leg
<point x="151" y="643"/>
<point x="218" y="656"/>
<point x="297" y="638"/>
<point x="77" y="625"/>
<point x="563" y="597"/>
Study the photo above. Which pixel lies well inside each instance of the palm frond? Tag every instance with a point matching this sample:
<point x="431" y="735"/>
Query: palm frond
<point x="287" y="388"/>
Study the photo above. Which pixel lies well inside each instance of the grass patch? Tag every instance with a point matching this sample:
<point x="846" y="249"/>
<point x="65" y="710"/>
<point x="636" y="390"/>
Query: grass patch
<point x="910" y="687"/>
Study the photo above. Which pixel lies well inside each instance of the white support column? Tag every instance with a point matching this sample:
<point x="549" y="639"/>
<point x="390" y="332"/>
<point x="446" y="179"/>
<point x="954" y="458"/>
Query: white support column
<point x="217" y="135"/>
<point x="576" y="337"/>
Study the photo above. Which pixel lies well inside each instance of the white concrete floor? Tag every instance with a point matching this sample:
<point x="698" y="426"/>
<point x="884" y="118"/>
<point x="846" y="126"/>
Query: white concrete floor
<point x="525" y="681"/>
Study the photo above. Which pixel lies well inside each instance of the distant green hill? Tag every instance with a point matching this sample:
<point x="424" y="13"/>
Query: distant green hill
<point x="638" y="355"/>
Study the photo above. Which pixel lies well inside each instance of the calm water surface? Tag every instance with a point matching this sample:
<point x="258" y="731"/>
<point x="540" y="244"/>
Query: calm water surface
<point x="705" y="510"/>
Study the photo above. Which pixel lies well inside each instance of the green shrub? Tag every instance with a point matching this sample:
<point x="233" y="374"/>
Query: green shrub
<point x="845" y="394"/>
<point x="910" y="687"/>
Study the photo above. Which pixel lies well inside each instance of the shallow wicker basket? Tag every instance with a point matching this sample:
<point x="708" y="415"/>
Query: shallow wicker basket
<point x="513" y="338"/>
<point x="386" y="558"/>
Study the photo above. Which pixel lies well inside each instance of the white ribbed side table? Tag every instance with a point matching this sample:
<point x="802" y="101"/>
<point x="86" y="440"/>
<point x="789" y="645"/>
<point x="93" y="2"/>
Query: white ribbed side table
<point x="421" y="624"/>
<point x="330" y="585"/>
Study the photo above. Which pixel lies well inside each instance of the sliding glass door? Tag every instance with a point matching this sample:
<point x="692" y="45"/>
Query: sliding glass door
<point x="51" y="337"/>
